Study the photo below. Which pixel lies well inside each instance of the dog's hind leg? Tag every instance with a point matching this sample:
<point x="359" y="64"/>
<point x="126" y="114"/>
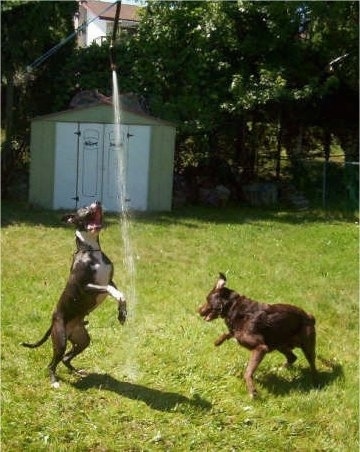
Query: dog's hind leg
<point x="308" y="347"/>
<point x="257" y="355"/>
<point x="80" y="339"/>
<point x="290" y="356"/>
<point x="58" y="336"/>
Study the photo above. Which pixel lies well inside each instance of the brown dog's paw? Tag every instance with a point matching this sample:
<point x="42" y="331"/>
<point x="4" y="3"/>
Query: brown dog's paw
<point x="254" y="394"/>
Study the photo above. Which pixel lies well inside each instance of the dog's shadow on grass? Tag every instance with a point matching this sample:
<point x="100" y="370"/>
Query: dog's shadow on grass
<point x="154" y="398"/>
<point x="286" y="383"/>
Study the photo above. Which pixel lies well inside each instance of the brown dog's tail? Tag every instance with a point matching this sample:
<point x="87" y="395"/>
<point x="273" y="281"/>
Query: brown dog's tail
<point x="40" y="342"/>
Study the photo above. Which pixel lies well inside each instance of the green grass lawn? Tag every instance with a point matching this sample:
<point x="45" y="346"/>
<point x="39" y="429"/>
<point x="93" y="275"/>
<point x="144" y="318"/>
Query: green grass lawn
<point x="158" y="383"/>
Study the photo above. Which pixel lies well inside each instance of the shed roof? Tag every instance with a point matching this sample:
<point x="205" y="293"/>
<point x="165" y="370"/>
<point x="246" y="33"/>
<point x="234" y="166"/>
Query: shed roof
<point x="102" y="113"/>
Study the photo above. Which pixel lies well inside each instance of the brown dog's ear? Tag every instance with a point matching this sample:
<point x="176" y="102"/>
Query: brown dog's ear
<point x="221" y="281"/>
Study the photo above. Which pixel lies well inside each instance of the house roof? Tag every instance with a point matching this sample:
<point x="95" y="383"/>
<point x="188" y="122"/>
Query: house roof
<point x="127" y="12"/>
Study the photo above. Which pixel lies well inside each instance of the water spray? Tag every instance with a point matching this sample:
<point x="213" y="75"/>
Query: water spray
<point x="130" y="367"/>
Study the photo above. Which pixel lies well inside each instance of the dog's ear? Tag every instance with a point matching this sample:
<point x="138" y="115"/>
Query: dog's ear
<point x="221" y="281"/>
<point x="68" y="218"/>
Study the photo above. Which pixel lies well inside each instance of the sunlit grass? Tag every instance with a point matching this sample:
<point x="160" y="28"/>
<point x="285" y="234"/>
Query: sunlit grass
<point x="158" y="383"/>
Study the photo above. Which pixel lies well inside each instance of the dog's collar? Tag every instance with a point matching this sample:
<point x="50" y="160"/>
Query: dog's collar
<point x="88" y="249"/>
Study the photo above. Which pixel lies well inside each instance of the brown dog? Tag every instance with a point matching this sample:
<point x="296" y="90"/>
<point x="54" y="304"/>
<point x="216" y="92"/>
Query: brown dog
<point x="261" y="327"/>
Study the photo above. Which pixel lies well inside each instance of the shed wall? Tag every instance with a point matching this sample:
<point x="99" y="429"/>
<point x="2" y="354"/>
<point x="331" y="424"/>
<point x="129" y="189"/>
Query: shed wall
<point x="161" y="168"/>
<point x="42" y="164"/>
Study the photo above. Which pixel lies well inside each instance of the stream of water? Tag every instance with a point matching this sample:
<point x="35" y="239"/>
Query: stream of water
<point x="130" y="368"/>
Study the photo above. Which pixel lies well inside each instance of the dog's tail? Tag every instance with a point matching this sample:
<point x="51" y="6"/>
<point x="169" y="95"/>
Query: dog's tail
<point x="40" y="342"/>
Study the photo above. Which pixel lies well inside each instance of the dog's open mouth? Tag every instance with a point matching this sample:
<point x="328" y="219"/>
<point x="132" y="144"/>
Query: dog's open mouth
<point x="206" y="314"/>
<point x="95" y="223"/>
<point x="209" y="317"/>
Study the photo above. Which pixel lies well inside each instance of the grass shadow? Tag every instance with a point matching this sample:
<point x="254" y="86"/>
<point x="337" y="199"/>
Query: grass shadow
<point x="193" y="215"/>
<point x="281" y="385"/>
<point x="154" y="398"/>
<point x="22" y="213"/>
<point x="187" y="216"/>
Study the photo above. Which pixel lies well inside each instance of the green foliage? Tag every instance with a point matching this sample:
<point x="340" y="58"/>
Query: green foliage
<point x="265" y="87"/>
<point x="29" y="29"/>
<point x="177" y="64"/>
<point x="209" y="64"/>
<point x="234" y="75"/>
<point x="23" y="41"/>
<point x="87" y="69"/>
<point x="158" y="382"/>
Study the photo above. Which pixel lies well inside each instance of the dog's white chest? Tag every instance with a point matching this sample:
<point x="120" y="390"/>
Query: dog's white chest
<point x="102" y="271"/>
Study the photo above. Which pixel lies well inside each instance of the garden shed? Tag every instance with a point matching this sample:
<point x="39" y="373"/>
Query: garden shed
<point x="75" y="159"/>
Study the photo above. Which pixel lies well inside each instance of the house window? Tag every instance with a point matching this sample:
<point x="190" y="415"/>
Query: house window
<point x="109" y="28"/>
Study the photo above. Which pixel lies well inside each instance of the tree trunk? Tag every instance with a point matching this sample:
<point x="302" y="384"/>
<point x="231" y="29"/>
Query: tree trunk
<point x="7" y="154"/>
<point x="278" y="147"/>
<point x="9" y="107"/>
<point x="245" y="151"/>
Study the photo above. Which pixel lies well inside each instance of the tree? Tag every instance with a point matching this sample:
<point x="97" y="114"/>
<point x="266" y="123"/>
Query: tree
<point x="238" y="78"/>
<point x="232" y="67"/>
<point x="29" y="93"/>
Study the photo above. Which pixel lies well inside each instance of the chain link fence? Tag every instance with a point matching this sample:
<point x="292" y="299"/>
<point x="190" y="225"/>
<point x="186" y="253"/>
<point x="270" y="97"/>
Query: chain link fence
<point x="332" y="184"/>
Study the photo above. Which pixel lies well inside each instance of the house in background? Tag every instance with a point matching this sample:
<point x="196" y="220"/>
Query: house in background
<point x="100" y="18"/>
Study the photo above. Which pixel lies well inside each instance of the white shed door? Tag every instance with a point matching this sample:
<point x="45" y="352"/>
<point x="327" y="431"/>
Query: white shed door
<point x="88" y="165"/>
<point x="133" y="157"/>
<point x="138" y="167"/>
<point x="66" y="166"/>
<point x="89" y="180"/>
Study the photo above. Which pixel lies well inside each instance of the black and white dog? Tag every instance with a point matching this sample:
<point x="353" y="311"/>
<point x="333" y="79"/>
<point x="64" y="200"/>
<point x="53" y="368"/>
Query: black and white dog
<point x="89" y="283"/>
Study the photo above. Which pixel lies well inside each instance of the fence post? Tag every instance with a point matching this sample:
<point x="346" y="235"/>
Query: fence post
<point x="327" y="143"/>
<point x="324" y="187"/>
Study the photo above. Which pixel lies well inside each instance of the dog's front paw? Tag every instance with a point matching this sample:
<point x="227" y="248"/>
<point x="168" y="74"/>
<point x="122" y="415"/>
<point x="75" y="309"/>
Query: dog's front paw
<point x="224" y="337"/>
<point x="121" y="297"/>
